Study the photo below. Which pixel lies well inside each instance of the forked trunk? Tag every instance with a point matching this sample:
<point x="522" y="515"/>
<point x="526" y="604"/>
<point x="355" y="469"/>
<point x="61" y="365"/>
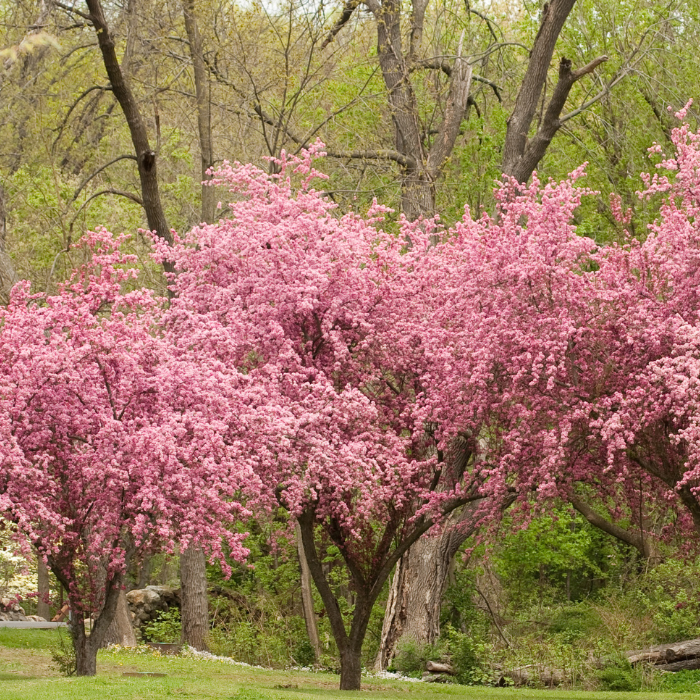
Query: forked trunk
<point x="85" y="646"/>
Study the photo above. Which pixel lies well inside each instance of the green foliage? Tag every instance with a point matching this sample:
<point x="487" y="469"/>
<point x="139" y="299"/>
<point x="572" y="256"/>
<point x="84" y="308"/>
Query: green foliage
<point x="670" y="595"/>
<point x="557" y="556"/>
<point x="304" y="654"/>
<point x="575" y="623"/>
<point x="680" y="682"/>
<point x="621" y="676"/>
<point x="165" y="629"/>
<point x="468" y="657"/>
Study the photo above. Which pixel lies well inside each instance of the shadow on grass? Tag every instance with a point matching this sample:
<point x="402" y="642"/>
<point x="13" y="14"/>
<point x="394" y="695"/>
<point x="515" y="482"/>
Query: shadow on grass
<point x="19" y="677"/>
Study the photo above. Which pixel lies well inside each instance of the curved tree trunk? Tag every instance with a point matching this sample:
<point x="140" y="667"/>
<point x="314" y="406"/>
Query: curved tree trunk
<point x="194" y="604"/>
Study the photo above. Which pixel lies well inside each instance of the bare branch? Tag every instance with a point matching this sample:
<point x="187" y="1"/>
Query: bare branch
<point x="444" y="66"/>
<point x="120" y="193"/>
<point x="597" y="97"/>
<point x="489" y="22"/>
<point x="597" y="520"/>
<point x="380" y="154"/>
<point x="72" y="10"/>
<point x="97" y="172"/>
<point x="348" y="8"/>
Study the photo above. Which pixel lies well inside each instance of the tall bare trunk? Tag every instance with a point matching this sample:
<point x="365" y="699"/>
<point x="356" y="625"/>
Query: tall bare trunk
<point x="146" y="157"/>
<point x="522" y="153"/>
<point x="201" y="84"/>
<point x="8" y="276"/>
<point x="307" y="597"/>
<point x="193" y="597"/>
<point x="42" y="607"/>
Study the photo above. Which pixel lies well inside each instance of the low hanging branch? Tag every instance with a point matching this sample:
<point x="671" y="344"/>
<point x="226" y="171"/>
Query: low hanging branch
<point x="633" y="539"/>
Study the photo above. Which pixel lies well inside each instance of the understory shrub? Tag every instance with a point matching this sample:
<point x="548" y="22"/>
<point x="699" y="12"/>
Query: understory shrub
<point x="165" y="629"/>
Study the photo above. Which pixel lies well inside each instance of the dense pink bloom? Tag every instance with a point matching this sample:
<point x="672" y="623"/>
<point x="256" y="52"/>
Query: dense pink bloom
<point x="113" y="445"/>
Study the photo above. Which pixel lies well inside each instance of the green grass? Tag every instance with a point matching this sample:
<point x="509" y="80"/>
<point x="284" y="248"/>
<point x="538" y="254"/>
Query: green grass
<point x="26" y="674"/>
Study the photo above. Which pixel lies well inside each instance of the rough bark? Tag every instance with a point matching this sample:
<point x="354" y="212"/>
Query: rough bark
<point x="685" y="665"/>
<point x="8" y="276"/>
<point x="42" y="606"/>
<point x="520" y="154"/>
<point x="423" y="164"/>
<point x="418" y="586"/>
<point x="193" y="596"/>
<point x="307" y="598"/>
<point x="146" y="157"/>
<point x="121" y="630"/>
<point x="201" y="83"/>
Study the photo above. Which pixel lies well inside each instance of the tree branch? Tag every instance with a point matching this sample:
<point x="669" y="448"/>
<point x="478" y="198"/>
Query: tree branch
<point x="97" y="172"/>
<point x="554" y="15"/>
<point x="534" y="150"/>
<point x="145" y="155"/>
<point x="348" y="8"/>
<point x="72" y="10"/>
<point x="619" y="533"/>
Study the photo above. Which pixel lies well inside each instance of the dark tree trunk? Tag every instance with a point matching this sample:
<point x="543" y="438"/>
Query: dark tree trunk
<point x="145" y="156"/>
<point x="351" y="668"/>
<point x="521" y="154"/>
<point x="194" y="604"/>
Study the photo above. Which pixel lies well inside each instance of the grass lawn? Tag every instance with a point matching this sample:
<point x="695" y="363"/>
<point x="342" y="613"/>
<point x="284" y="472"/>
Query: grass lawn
<point x="26" y="672"/>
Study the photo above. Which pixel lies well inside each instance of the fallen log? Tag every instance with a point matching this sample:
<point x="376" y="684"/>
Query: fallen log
<point x="665" y="653"/>
<point x="435" y="667"/>
<point x="533" y="672"/>
<point x="685" y="665"/>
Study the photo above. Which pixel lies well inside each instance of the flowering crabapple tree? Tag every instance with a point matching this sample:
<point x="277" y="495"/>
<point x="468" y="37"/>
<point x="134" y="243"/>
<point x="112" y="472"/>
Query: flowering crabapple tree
<point x="327" y="315"/>
<point x="593" y="350"/>
<point x="113" y="445"/>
